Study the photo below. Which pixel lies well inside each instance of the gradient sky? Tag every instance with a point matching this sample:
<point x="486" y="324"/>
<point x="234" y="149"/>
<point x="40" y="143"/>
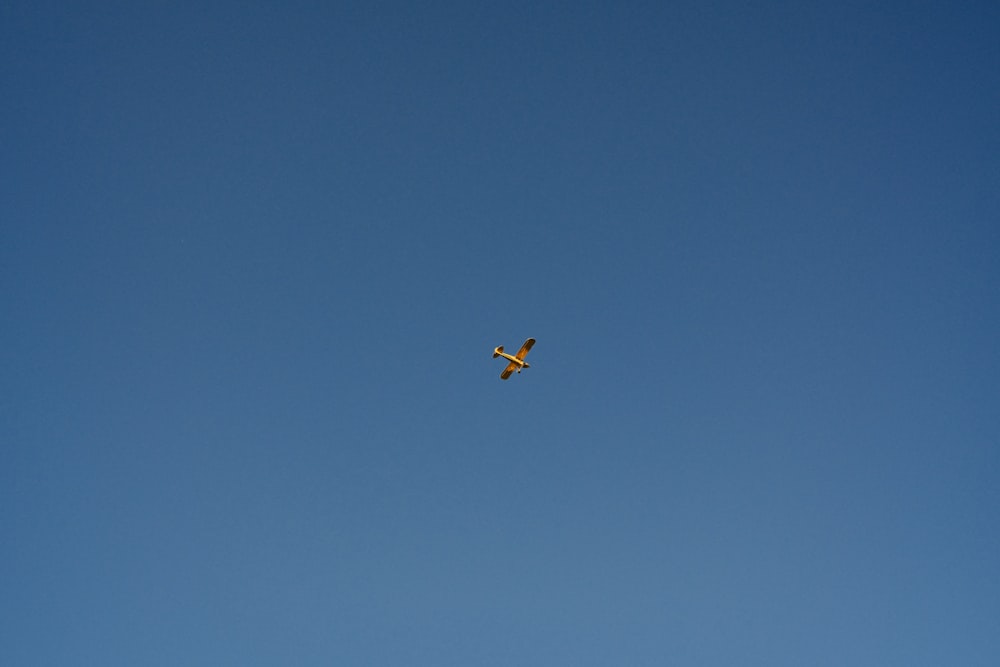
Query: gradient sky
<point x="255" y="258"/>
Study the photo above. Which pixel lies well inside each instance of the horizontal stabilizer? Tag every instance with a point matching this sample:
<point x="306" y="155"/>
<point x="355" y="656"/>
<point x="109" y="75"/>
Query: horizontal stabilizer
<point x="496" y="352"/>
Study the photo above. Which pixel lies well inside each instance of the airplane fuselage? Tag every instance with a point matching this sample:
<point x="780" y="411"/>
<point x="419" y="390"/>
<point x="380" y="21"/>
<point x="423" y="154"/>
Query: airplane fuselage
<point x="520" y="363"/>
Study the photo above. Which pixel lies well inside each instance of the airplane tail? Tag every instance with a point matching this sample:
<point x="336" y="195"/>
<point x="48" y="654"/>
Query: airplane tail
<point x="496" y="352"/>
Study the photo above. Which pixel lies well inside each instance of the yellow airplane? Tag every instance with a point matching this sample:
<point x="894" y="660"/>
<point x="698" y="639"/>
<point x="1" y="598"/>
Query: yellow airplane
<point x="517" y="361"/>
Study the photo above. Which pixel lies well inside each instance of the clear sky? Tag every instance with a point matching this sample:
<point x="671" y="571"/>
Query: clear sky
<point x="255" y="258"/>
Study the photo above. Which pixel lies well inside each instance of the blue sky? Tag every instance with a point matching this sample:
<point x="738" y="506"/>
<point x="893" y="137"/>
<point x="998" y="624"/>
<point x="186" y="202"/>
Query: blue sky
<point x="256" y="257"/>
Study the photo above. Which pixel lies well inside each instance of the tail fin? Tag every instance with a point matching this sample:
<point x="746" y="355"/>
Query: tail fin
<point x="496" y="352"/>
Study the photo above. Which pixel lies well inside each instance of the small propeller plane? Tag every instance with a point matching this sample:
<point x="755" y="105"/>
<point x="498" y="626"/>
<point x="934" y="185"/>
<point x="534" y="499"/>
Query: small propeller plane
<point x="517" y="361"/>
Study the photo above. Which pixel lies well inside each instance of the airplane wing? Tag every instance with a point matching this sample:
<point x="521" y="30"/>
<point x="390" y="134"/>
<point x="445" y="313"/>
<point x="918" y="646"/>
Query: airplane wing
<point x="523" y="352"/>
<point x="511" y="367"/>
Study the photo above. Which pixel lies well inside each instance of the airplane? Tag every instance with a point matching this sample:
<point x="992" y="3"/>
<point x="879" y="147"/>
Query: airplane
<point x="517" y="361"/>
